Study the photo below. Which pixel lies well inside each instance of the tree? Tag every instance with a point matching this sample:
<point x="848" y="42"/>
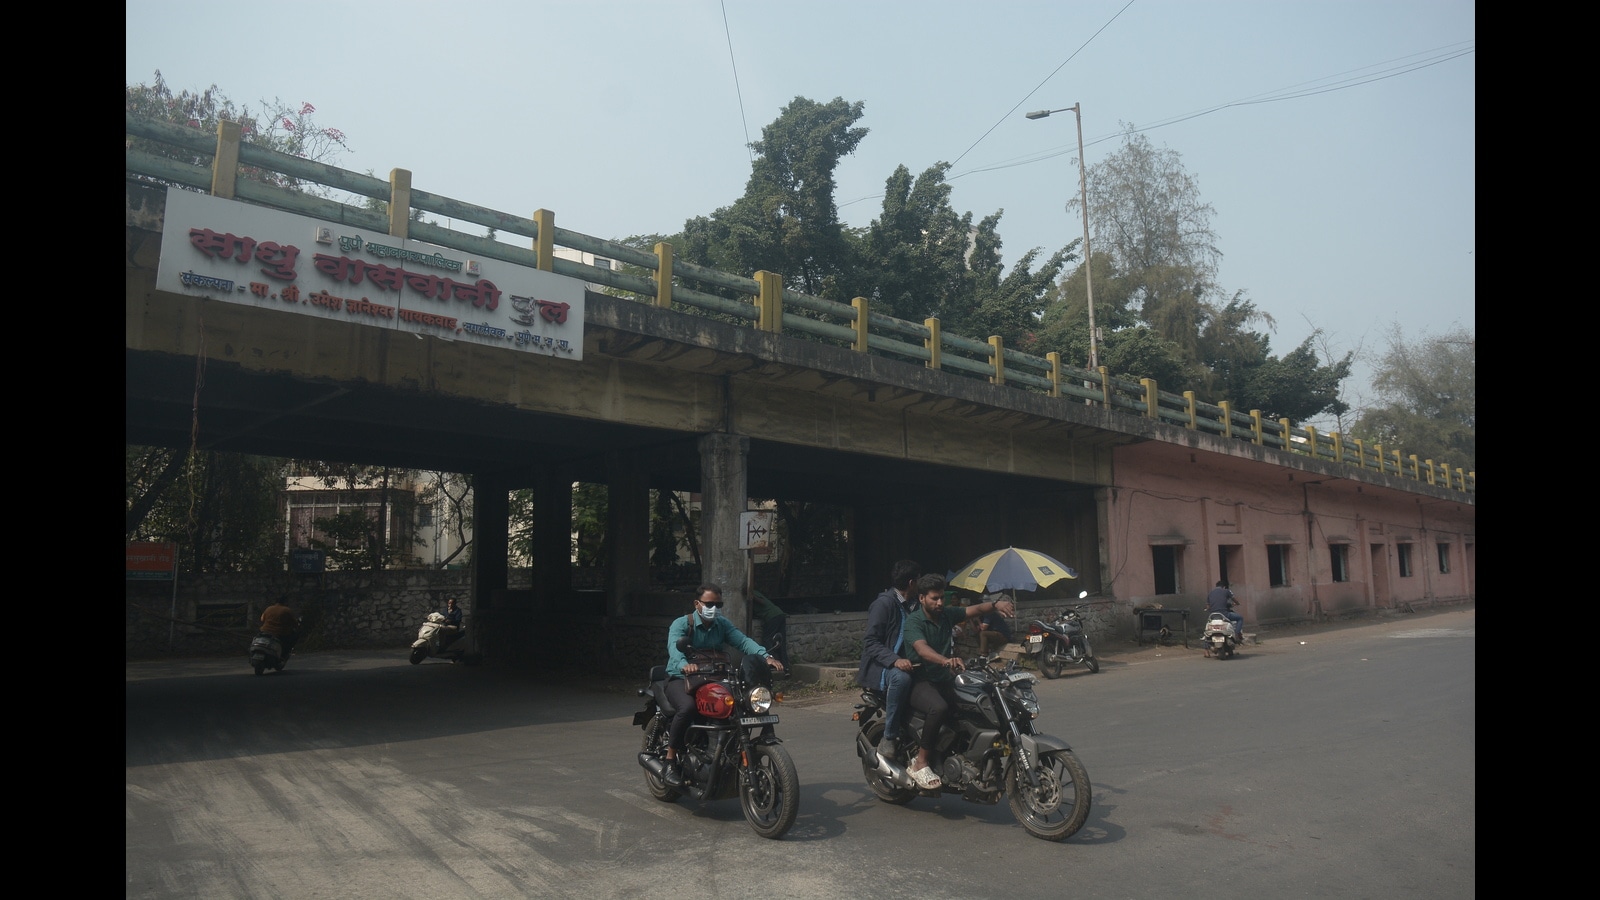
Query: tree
<point x="787" y="220"/>
<point x="221" y="509"/>
<point x="278" y="126"/>
<point x="1427" y="399"/>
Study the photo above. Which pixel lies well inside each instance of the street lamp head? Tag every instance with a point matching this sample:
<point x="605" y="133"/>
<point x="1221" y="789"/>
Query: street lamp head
<point x="1038" y="114"/>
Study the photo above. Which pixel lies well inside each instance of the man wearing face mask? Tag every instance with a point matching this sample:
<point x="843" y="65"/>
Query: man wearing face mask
<point x="703" y="629"/>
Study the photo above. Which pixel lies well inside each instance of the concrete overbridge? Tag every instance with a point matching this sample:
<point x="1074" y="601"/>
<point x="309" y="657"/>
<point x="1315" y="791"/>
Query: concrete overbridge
<point x="933" y="463"/>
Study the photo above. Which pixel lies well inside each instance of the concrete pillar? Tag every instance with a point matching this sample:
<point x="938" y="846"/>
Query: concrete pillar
<point x="724" y="461"/>
<point x="491" y="514"/>
<point x="552" y="537"/>
<point x="627" y="531"/>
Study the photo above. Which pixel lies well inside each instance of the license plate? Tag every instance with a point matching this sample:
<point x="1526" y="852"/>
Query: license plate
<point x="1035" y="638"/>
<point x="758" y="720"/>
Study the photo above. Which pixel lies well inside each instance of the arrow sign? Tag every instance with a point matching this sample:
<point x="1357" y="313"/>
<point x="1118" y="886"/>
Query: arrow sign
<point x="755" y="531"/>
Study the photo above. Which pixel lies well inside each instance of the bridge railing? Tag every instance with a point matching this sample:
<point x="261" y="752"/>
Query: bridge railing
<point x="226" y="166"/>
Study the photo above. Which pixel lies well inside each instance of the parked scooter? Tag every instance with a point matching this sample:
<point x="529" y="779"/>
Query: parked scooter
<point x="1056" y="644"/>
<point x="437" y="640"/>
<point x="266" y="652"/>
<point x="1219" y="638"/>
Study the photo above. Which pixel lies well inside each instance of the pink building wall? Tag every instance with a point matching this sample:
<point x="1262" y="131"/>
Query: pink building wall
<point x="1211" y="510"/>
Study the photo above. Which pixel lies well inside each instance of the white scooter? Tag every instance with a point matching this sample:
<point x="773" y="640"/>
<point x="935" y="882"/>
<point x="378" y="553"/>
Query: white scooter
<point x="436" y="639"/>
<point x="1219" y="639"/>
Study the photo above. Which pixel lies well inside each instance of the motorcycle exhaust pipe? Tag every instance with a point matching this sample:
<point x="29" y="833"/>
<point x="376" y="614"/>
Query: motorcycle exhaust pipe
<point x="886" y="768"/>
<point x="655" y="765"/>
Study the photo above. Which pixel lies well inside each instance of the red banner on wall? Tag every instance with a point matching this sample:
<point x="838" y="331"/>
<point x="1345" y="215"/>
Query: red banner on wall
<point x="151" y="561"/>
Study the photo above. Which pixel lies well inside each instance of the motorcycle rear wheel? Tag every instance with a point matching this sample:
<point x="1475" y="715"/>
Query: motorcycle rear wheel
<point x="259" y="668"/>
<point x="655" y="741"/>
<point x="1050" y="660"/>
<point x="881" y="787"/>
<point x="770" y="793"/>
<point x="1059" y="806"/>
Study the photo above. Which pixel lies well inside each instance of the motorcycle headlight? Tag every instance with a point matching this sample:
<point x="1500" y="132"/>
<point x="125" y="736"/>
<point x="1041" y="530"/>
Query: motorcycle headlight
<point x="760" y="699"/>
<point x="1031" y="707"/>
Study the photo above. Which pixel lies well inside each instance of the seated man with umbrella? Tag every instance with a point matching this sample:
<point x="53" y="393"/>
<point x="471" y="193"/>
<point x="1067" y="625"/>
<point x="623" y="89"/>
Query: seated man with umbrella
<point x="1010" y="569"/>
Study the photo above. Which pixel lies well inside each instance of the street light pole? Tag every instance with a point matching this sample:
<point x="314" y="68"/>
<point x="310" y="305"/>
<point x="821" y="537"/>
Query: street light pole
<point x="1083" y="200"/>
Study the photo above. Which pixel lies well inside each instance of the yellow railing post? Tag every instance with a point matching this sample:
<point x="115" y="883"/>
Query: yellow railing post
<point x="1227" y="418"/>
<point x="1377" y="456"/>
<point x="861" y="306"/>
<point x="933" y="342"/>
<point x="225" y="165"/>
<point x="1416" y="467"/>
<point x="1461" y="478"/>
<point x="1152" y="401"/>
<point x="1311" y="440"/>
<point x="769" y="301"/>
<point x="663" y="275"/>
<point x="1188" y="399"/>
<point x="1283" y="432"/>
<point x="1399" y="467"/>
<point x="997" y="359"/>
<point x="1361" y="453"/>
<point x="399" y="203"/>
<point x="544" y="246"/>
<point x="1054" y="359"/>
<point x="1338" y="446"/>
<point x="1257" y="433"/>
<point x="1105" y="386"/>
<point x="1444" y="470"/>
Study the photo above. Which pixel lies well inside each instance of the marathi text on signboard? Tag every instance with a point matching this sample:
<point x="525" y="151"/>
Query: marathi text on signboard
<point x="226" y="250"/>
<point x="149" y="561"/>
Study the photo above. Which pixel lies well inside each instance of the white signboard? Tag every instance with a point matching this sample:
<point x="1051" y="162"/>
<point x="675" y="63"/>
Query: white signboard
<point x="231" y="251"/>
<point x="755" y="530"/>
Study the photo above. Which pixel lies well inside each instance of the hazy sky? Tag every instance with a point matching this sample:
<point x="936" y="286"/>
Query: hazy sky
<point x="1334" y="138"/>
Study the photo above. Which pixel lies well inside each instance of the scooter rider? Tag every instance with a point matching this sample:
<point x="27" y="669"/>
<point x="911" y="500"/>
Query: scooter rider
<point x="452" y="623"/>
<point x="1221" y="600"/>
<point x="281" y="622"/>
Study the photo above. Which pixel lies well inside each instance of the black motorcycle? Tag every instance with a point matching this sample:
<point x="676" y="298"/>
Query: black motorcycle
<point x="1061" y="642"/>
<point x="731" y="749"/>
<point x="988" y="748"/>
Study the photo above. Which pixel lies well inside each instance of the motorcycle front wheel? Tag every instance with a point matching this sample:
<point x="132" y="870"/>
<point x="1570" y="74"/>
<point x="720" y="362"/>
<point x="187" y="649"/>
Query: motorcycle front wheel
<point x="1088" y="657"/>
<point x="655" y="741"/>
<point x="418" y="654"/>
<point x="882" y="788"/>
<point x="770" y="795"/>
<point x="1059" y="806"/>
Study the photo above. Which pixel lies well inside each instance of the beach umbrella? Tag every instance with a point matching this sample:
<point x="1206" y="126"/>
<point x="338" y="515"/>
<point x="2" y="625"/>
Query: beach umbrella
<point x="1011" y="569"/>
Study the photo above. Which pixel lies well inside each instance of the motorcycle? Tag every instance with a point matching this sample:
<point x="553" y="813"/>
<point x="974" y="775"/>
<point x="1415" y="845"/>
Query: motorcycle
<point x="987" y="749"/>
<point x="1062" y="642"/>
<point x="730" y="749"/>
<point x="1219" y="639"/>
<point x="266" y="652"/>
<point x="434" y="641"/>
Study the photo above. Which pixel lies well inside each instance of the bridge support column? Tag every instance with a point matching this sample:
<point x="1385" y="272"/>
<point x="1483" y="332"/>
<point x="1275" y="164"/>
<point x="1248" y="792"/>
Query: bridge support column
<point x="491" y="514"/>
<point x="627" y="531"/>
<point x="724" y="494"/>
<point x="552" y="538"/>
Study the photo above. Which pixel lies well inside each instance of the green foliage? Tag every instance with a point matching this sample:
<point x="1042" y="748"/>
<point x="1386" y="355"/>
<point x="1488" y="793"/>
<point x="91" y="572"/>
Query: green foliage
<point x="350" y="538"/>
<point x="1428" y="398"/>
<point x="286" y="128"/>
<point x="221" y="509"/>
<point x="590" y="509"/>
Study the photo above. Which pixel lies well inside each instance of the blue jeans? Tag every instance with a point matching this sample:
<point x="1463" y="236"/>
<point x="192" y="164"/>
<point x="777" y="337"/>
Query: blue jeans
<point x="897" y="694"/>
<point x="1238" y="623"/>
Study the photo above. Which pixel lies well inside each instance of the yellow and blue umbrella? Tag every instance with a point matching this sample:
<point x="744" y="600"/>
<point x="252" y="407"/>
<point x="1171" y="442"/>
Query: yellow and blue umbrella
<point x="1011" y="569"/>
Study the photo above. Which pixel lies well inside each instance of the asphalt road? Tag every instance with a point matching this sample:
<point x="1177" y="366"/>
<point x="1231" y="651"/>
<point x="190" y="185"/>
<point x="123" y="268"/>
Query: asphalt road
<point x="1320" y="763"/>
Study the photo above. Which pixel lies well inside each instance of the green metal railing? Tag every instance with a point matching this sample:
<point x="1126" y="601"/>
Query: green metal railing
<point x="762" y="299"/>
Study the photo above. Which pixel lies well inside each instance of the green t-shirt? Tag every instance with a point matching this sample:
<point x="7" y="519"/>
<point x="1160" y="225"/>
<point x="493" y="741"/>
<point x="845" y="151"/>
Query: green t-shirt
<point x="766" y="610"/>
<point x="938" y="635"/>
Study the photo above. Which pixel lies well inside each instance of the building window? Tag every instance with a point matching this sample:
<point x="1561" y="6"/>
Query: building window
<point x="1165" y="560"/>
<point x="1339" y="561"/>
<point x="1278" y="565"/>
<point x="600" y="262"/>
<point x="1444" y="559"/>
<point x="1403" y="551"/>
